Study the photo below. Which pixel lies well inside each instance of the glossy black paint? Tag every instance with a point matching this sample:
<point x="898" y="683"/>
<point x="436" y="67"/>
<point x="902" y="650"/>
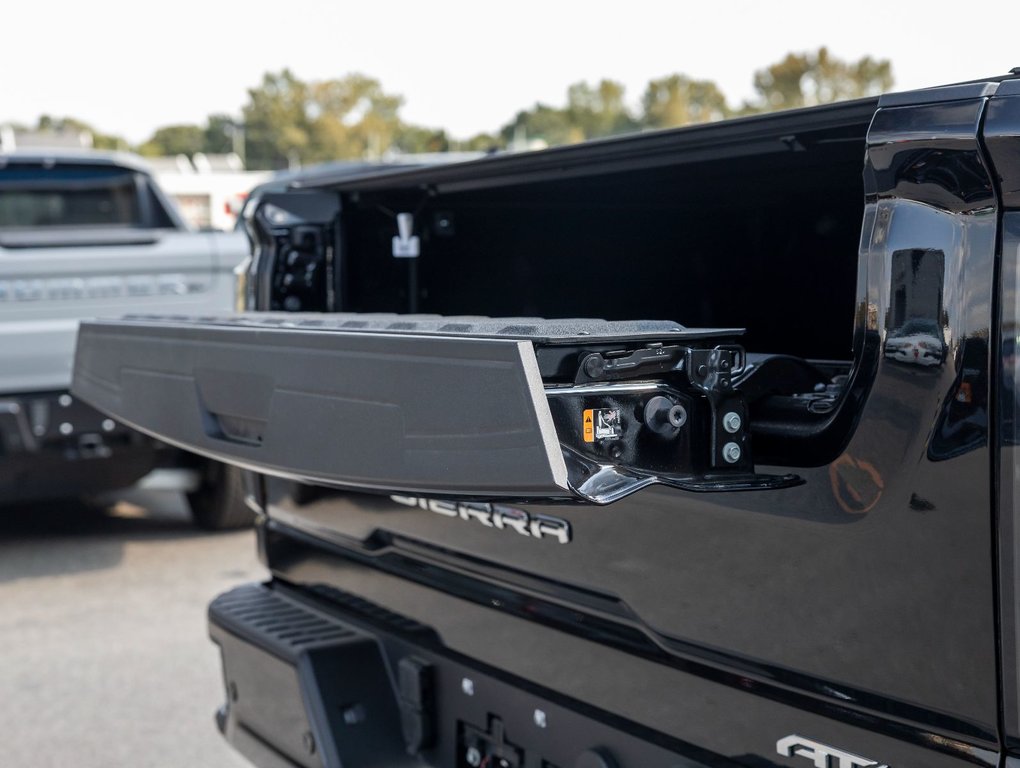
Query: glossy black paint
<point x="857" y="610"/>
<point x="705" y="709"/>
<point x="1008" y="486"/>
<point x="1002" y="139"/>
<point x="292" y="261"/>
<point x="1002" y="128"/>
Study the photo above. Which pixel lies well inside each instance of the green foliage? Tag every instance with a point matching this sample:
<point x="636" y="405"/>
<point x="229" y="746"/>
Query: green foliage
<point x="174" y="140"/>
<point x="592" y="111"/>
<point x="807" y="79"/>
<point x="599" y="110"/>
<point x="412" y="139"/>
<point x="542" y="123"/>
<point x="276" y="122"/>
<point x="218" y="134"/>
<point x="679" y="100"/>
<point x="215" y="137"/>
<point x="480" y="142"/>
<point x="288" y="121"/>
<point x="99" y="140"/>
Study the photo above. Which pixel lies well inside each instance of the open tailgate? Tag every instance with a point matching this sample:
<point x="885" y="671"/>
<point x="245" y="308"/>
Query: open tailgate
<point x="473" y="407"/>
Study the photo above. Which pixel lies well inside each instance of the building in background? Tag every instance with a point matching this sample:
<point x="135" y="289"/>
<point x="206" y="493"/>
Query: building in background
<point x="12" y="138"/>
<point x="210" y="190"/>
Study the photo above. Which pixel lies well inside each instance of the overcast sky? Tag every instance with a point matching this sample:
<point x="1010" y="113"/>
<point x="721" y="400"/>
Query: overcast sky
<point x="129" y="67"/>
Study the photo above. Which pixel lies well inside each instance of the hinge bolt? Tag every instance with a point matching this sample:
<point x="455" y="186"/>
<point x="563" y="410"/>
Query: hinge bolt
<point x="677" y="416"/>
<point x="731" y="422"/>
<point x="731" y="452"/>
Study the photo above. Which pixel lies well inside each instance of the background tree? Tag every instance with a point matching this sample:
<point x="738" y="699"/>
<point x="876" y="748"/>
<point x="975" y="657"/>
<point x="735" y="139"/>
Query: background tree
<point x="215" y="137"/>
<point x="541" y="123"/>
<point x="679" y="100"/>
<point x="174" y="140"/>
<point x="352" y="118"/>
<point x="288" y="120"/>
<point x="807" y="79"/>
<point x="276" y="122"/>
<point x="480" y="142"/>
<point x="218" y="136"/>
<point x="599" y="110"/>
<point x="99" y="140"/>
<point x="413" y="139"/>
<point x="591" y="111"/>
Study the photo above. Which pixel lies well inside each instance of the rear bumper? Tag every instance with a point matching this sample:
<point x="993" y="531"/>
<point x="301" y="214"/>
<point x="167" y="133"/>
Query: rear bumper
<point x="53" y="446"/>
<point x="602" y="693"/>
<point x="327" y="679"/>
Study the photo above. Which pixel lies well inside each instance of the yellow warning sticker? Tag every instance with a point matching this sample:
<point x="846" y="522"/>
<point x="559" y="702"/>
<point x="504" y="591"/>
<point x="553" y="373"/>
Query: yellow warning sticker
<point x="589" y="426"/>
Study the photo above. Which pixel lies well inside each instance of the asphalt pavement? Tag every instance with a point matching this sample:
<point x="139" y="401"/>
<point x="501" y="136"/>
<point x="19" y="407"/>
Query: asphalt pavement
<point x="104" y="656"/>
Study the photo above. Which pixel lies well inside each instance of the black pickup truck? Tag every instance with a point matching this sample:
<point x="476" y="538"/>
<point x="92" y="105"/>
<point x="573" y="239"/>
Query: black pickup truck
<point x="762" y="512"/>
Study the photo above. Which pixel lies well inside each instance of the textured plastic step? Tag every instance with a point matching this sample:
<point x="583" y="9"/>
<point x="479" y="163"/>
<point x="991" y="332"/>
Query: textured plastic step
<point x="572" y="330"/>
<point x="303" y="688"/>
<point x="280" y="625"/>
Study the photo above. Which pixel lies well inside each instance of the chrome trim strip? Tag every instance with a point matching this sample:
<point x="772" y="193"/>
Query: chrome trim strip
<point x="536" y="389"/>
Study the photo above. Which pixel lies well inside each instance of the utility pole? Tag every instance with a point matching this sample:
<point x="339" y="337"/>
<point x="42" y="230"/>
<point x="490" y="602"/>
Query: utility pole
<point x="235" y="130"/>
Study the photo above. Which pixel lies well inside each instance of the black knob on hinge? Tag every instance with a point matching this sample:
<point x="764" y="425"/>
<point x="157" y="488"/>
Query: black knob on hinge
<point x="594" y="366"/>
<point x="664" y="417"/>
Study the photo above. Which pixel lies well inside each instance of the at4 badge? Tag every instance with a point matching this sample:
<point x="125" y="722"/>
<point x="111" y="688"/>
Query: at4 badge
<point x="822" y="755"/>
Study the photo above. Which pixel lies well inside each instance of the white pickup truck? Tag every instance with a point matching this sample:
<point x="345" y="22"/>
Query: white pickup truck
<point x="84" y="235"/>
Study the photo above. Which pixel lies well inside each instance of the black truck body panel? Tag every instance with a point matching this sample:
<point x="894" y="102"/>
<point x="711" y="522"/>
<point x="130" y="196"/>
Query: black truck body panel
<point x="867" y="609"/>
<point x="1002" y="138"/>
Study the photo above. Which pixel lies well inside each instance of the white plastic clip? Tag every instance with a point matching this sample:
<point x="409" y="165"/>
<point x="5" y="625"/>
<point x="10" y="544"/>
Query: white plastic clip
<point x="405" y="245"/>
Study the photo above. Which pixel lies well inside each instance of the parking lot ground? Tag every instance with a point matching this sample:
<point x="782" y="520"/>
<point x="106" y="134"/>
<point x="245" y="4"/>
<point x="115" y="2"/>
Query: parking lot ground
<point x="104" y="655"/>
